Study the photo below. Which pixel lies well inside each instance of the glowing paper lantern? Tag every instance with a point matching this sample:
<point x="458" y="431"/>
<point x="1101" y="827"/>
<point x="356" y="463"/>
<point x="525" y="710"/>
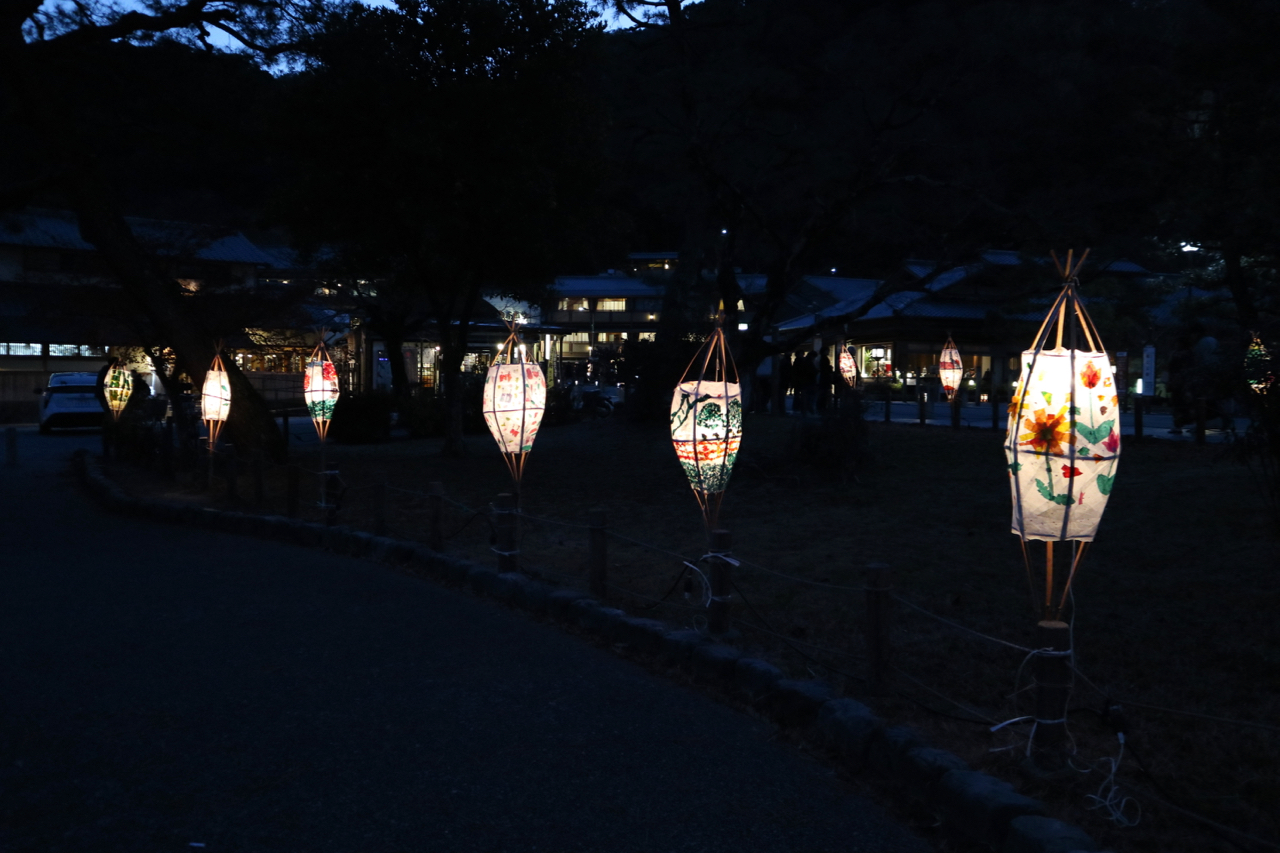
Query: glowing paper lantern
<point x="320" y="389"/>
<point x="1063" y="439"/>
<point x="118" y="387"/>
<point x="215" y="399"/>
<point x="848" y="367"/>
<point x="1257" y="367"/>
<point x="706" y="422"/>
<point x="515" y="397"/>
<point x="950" y="368"/>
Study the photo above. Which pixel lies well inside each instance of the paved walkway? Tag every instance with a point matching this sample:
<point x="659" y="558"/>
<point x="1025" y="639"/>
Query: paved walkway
<point x="163" y="688"/>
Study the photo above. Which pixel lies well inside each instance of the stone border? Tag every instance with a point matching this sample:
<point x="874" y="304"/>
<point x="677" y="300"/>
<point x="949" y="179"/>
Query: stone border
<point x="971" y="806"/>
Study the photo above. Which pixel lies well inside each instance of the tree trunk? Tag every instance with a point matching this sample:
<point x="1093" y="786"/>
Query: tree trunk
<point x="1234" y="278"/>
<point x="251" y="424"/>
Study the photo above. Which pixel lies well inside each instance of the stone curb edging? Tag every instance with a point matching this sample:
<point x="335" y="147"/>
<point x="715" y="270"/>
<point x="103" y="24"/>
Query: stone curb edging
<point x="972" y="807"/>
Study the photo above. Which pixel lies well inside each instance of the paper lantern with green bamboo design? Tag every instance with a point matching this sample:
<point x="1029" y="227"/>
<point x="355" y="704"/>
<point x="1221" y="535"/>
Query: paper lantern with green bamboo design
<point x="1063" y="441"/>
<point x="117" y="386"/>
<point x="320" y="389"/>
<point x="1257" y="366"/>
<point x="215" y="399"/>
<point x="706" y="422"/>
<point x="848" y="367"/>
<point x="950" y="368"/>
<point x="515" y="398"/>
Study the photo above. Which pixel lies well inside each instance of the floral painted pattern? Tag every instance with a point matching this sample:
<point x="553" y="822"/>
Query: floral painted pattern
<point x="515" y="397"/>
<point x="1063" y="444"/>
<point x="950" y="369"/>
<point x="320" y="388"/>
<point x="848" y="368"/>
<point x="706" y="429"/>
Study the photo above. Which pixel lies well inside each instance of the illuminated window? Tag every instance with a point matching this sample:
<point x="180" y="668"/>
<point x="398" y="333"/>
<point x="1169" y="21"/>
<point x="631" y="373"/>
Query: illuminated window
<point x="611" y="305"/>
<point x="577" y="338"/>
<point x="64" y="349"/>
<point x="24" y="349"/>
<point x="574" y="304"/>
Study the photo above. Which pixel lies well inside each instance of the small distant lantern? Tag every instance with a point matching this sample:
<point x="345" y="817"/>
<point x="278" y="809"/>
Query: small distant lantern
<point x="1063" y="440"/>
<point x="1257" y="367"/>
<point x="706" y="422"/>
<point x="118" y="387"/>
<point x="320" y="389"/>
<point x="950" y="368"/>
<point x="515" y="398"/>
<point x="848" y="367"/>
<point x="215" y="399"/>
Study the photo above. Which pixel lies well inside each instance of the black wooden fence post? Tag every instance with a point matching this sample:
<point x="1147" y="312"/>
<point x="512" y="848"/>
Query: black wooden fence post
<point x="1052" y="670"/>
<point x="504" y="525"/>
<point x="719" y="610"/>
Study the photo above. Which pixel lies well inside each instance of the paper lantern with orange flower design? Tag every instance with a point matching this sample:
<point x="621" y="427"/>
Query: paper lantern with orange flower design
<point x="1063" y="441"/>
<point x="515" y="397"/>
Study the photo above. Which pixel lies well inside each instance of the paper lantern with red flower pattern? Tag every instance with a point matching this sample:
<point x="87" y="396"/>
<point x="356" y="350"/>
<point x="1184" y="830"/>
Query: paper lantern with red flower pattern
<point x="515" y="397"/>
<point x="320" y="389"/>
<point x="848" y="367"/>
<point x="950" y="368"/>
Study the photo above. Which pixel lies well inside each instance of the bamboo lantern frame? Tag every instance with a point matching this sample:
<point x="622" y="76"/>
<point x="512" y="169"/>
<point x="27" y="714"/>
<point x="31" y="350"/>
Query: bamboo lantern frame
<point x="950" y="367"/>
<point x="533" y="396"/>
<point x="848" y="366"/>
<point x="320" y="400"/>
<point x="117" y="387"/>
<point x="215" y="399"/>
<point x="1043" y="438"/>
<point x="716" y="376"/>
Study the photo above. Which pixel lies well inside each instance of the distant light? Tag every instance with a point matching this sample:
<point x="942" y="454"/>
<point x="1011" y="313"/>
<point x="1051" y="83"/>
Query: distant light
<point x="1138" y="390"/>
<point x="666" y="266"/>
<point x="1190" y="247"/>
<point x="742" y="327"/>
<point x="833" y="270"/>
<point x="724" y="230"/>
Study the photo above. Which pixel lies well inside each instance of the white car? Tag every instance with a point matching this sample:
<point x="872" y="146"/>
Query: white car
<point x="70" y="400"/>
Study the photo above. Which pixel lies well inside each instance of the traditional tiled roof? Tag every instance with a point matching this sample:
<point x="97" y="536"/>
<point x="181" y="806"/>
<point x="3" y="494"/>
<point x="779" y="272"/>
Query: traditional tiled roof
<point x="54" y="229"/>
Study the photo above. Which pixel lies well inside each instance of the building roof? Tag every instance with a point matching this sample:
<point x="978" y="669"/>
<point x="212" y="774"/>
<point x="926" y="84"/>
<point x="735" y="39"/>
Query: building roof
<point x="617" y="286"/>
<point x="56" y="229"/>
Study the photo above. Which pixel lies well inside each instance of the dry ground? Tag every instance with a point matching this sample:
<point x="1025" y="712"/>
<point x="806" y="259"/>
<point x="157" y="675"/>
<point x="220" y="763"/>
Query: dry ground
<point x="1175" y="604"/>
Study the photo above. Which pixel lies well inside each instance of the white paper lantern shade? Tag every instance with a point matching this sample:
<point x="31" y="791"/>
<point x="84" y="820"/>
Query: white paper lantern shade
<point x="515" y="398"/>
<point x="320" y="390"/>
<point x="848" y="367"/>
<point x="706" y="423"/>
<point x="117" y="386"/>
<point x="950" y="369"/>
<point x="215" y="399"/>
<point x="1062" y="446"/>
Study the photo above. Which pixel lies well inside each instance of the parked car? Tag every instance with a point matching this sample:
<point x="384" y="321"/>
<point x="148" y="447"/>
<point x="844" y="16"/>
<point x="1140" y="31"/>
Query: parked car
<point x="70" y="400"/>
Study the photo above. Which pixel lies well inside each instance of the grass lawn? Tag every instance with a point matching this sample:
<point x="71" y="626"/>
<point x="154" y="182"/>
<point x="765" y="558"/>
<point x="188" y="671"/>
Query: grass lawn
<point x="1175" y="605"/>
